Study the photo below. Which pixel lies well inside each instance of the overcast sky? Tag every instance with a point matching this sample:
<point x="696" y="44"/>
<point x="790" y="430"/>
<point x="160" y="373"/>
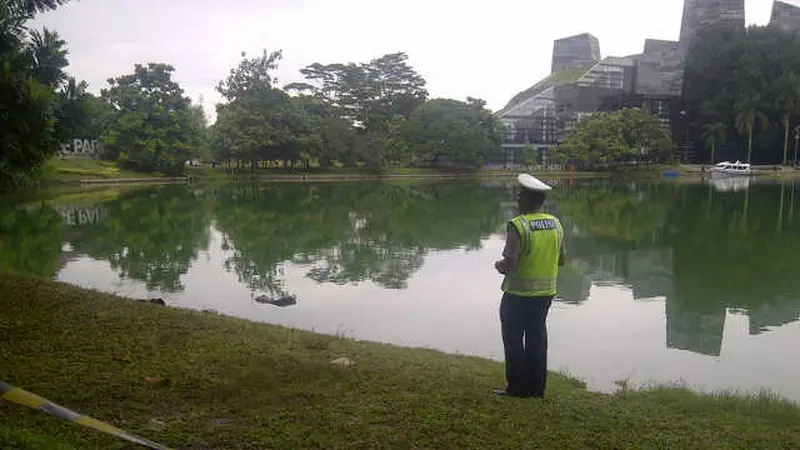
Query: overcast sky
<point x="490" y="50"/>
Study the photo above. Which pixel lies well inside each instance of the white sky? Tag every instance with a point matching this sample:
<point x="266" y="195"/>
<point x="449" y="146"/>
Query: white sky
<point x="490" y="50"/>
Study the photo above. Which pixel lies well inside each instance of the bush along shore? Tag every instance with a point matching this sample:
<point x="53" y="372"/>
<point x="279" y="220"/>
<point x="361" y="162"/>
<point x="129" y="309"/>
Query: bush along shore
<point x="189" y="379"/>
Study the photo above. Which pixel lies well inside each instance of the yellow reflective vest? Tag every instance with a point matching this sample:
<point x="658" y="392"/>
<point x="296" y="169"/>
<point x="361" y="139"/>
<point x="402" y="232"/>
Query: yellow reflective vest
<point x="536" y="271"/>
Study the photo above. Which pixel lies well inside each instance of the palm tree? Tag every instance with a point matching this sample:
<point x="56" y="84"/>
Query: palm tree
<point x="29" y="8"/>
<point x="49" y="56"/>
<point x="787" y="99"/>
<point x="748" y="114"/>
<point x="713" y="133"/>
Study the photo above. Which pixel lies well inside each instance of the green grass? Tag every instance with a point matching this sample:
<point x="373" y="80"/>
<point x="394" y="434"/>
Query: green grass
<point x="56" y="170"/>
<point x="209" y="172"/>
<point x="14" y="438"/>
<point x="236" y="384"/>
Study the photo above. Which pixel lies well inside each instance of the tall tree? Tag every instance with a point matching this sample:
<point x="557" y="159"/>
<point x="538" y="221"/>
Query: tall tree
<point x="723" y="66"/>
<point x="368" y="94"/>
<point x="445" y="132"/>
<point x="199" y="124"/>
<point x="252" y="74"/>
<point x="393" y="88"/>
<point x="28" y="126"/>
<point x="787" y="99"/>
<point x="254" y="124"/>
<point x="49" y="57"/>
<point x="152" y="128"/>
<point x="748" y="115"/>
<point x="714" y="133"/>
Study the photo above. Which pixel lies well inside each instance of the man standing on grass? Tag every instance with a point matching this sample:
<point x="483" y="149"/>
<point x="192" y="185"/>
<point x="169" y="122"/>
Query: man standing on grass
<point x="533" y="253"/>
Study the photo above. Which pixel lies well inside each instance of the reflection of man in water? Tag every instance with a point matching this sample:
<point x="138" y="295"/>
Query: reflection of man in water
<point x="533" y="253"/>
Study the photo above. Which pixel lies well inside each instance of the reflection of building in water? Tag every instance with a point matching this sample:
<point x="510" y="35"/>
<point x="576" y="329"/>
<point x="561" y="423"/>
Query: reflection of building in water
<point x="774" y="314"/>
<point x="646" y="271"/>
<point x="695" y="330"/>
<point x="730" y="184"/>
<point x="649" y="273"/>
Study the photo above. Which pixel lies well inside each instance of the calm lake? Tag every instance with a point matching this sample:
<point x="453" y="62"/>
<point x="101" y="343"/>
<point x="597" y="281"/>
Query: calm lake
<point x="666" y="281"/>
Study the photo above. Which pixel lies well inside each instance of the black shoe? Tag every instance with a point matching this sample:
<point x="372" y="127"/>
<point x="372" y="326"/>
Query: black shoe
<point x="508" y="393"/>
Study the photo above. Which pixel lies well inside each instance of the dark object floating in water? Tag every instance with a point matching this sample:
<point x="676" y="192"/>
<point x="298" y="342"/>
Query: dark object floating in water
<point x="282" y="301"/>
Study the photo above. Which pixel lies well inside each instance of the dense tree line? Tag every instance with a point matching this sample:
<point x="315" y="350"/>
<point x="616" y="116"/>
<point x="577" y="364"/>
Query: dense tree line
<point x="742" y="94"/>
<point x="143" y="118"/>
<point x="34" y="92"/>
<point x="373" y="114"/>
<point x="382" y="232"/>
<point x="741" y="100"/>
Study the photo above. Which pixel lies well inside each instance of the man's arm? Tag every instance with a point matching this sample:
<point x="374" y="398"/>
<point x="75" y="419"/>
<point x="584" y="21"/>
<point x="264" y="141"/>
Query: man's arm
<point x="562" y="255"/>
<point x="510" y="251"/>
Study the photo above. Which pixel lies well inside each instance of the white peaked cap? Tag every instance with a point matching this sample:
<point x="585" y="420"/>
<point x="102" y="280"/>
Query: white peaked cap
<point x="531" y="182"/>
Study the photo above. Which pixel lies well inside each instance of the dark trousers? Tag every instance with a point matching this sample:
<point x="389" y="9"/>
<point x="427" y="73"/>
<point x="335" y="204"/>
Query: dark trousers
<point x="522" y="320"/>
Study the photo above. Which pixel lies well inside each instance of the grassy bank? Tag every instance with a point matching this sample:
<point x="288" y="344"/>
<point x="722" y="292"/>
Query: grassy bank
<point x="70" y="170"/>
<point x="349" y="174"/>
<point x="235" y="384"/>
<point x="12" y="437"/>
<point x="76" y="171"/>
<point x="93" y="172"/>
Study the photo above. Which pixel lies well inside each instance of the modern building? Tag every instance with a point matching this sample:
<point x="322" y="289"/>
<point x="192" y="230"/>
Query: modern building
<point x="699" y="15"/>
<point x="542" y="115"/>
<point x="785" y="16"/>
<point x="582" y="83"/>
<point x="575" y="52"/>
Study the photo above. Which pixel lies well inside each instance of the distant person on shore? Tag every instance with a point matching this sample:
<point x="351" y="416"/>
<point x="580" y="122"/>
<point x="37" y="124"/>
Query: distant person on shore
<point x="533" y="253"/>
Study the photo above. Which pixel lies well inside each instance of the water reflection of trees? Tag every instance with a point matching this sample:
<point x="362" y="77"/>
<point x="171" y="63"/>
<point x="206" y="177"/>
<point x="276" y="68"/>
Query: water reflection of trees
<point x="702" y="249"/>
<point x="150" y="235"/>
<point x="624" y="215"/>
<point x="343" y="233"/>
<point x="348" y="233"/>
<point x="30" y="239"/>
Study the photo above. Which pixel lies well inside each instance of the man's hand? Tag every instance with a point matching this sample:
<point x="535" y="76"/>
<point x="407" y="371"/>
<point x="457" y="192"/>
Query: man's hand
<point x="501" y="267"/>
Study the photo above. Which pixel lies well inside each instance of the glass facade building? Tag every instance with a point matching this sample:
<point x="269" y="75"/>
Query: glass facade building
<point x="785" y="16"/>
<point x="701" y="14"/>
<point x="582" y="83"/>
<point x="575" y="52"/>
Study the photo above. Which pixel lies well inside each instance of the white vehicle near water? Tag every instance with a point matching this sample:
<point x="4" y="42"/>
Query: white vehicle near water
<point x="727" y="168"/>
